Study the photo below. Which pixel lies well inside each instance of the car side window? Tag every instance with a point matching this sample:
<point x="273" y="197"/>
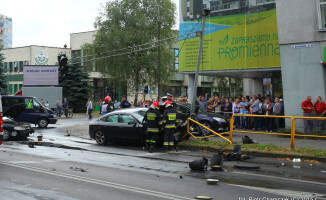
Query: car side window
<point x="111" y="118"/>
<point x="125" y="119"/>
<point x="8" y="102"/>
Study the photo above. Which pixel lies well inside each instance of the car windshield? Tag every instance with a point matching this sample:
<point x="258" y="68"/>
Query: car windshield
<point x="139" y="115"/>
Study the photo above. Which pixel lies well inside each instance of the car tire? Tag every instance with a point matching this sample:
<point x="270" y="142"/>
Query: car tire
<point x="100" y="137"/>
<point x="208" y="125"/>
<point x="70" y="114"/>
<point x="6" y="135"/>
<point x="43" y="123"/>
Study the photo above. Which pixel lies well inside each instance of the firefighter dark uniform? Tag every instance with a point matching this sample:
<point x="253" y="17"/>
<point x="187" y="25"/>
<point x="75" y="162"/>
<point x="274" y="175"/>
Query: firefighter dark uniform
<point x="170" y="119"/>
<point x="154" y="122"/>
<point x="107" y="106"/>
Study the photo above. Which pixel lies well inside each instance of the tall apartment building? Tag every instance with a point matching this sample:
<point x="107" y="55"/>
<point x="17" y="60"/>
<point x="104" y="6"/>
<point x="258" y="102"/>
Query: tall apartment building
<point x="5" y="32"/>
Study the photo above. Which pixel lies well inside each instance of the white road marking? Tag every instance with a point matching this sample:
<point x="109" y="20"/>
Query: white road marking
<point x="287" y="193"/>
<point x="276" y="177"/>
<point x="99" y="182"/>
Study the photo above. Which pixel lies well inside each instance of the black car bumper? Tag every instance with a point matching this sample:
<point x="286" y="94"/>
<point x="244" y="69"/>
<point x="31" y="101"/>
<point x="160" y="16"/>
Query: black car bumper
<point x="53" y="120"/>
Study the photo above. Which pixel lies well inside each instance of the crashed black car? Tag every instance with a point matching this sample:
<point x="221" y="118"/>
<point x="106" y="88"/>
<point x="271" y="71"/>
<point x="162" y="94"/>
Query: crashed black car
<point x="13" y="129"/>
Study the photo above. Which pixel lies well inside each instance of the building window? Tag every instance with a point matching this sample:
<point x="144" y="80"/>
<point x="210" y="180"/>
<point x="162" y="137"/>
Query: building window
<point x="15" y="66"/>
<point x="322" y="14"/>
<point x="21" y="64"/>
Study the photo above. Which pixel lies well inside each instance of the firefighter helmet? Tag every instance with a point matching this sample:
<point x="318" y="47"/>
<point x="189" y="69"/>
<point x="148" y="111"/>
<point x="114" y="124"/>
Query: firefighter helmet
<point x="168" y="103"/>
<point x="107" y="99"/>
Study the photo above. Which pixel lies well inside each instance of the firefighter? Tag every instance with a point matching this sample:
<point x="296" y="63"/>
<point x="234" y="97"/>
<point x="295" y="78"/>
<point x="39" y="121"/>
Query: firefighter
<point x="170" y="120"/>
<point x="154" y="122"/>
<point x="107" y="106"/>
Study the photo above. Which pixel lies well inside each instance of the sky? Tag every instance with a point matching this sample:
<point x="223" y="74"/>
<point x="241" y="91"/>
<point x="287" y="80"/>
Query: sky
<point x="49" y="22"/>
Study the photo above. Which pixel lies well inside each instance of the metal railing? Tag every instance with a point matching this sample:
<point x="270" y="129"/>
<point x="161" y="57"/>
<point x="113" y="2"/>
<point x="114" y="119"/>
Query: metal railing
<point x="292" y="134"/>
<point x="203" y="137"/>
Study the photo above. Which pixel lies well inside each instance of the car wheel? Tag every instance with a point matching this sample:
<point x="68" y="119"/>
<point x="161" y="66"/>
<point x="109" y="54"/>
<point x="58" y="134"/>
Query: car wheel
<point x="100" y="137"/>
<point x="43" y="123"/>
<point x="208" y="125"/>
<point x="6" y="135"/>
<point x="70" y="114"/>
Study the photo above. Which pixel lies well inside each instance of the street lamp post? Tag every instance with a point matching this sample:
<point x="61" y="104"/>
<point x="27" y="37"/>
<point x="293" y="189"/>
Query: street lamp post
<point x="200" y="51"/>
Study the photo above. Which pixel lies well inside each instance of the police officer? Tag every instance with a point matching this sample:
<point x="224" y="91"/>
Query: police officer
<point x="107" y="106"/>
<point x="154" y="122"/>
<point x="124" y="103"/>
<point x="170" y="119"/>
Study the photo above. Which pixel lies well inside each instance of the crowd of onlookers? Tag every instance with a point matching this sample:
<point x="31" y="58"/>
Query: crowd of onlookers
<point x="254" y="105"/>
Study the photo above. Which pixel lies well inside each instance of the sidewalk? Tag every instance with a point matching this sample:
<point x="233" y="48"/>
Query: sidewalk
<point x="277" y="140"/>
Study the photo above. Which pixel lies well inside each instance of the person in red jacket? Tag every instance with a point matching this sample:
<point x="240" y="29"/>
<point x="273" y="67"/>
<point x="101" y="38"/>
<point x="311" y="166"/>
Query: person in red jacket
<point x="307" y="108"/>
<point x="320" y="109"/>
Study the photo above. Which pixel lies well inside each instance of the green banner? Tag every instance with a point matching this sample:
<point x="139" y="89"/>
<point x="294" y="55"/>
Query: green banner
<point x="238" y="41"/>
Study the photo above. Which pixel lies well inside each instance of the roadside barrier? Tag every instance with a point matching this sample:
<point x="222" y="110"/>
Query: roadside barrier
<point x="292" y="134"/>
<point x="203" y="137"/>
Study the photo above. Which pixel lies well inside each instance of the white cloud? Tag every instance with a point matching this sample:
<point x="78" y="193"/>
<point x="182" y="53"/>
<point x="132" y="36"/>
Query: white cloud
<point x="48" y="22"/>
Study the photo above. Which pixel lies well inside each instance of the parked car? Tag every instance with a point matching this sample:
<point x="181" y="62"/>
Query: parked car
<point x="1" y="119"/>
<point x="36" y="113"/>
<point x="126" y="125"/>
<point x="13" y="129"/>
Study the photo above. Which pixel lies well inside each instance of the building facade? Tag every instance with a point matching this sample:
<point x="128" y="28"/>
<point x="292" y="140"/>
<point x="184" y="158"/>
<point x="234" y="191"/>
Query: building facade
<point x="16" y="58"/>
<point x="5" y="32"/>
<point x="302" y="39"/>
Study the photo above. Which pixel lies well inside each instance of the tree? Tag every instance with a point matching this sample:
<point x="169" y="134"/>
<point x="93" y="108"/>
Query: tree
<point x="3" y="80"/>
<point x="130" y="23"/>
<point x="75" y="86"/>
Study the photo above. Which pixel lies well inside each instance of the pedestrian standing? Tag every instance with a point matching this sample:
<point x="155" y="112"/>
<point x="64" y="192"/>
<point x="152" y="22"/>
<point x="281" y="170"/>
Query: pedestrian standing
<point x="169" y="119"/>
<point x="65" y="106"/>
<point x="90" y="108"/>
<point x="202" y="104"/>
<point x="217" y="104"/>
<point x="100" y="104"/>
<point x="116" y="105"/>
<point x="42" y="102"/>
<point x="206" y="97"/>
<point x="320" y="109"/>
<point x="236" y="110"/>
<point x="47" y="105"/>
<point x="277" y="110"/>
<point x="255" y="108"/>
<point x="58" y="104"/>
<point x="307" y="108"/>
<point x="154" y="122"/>
<point x="268" y="107"/>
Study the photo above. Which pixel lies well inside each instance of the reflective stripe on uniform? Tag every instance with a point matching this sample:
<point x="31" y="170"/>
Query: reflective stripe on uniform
<point x="164" y="121"/>
<point x="151" y="116"/>
<point x="171" y="143"/>
<point x="170" y="126"/>
<point x="160" y="123"/>
<point x="172" y="116"/>
<point x="166" y="144"/>
<point x="153" y="130"/>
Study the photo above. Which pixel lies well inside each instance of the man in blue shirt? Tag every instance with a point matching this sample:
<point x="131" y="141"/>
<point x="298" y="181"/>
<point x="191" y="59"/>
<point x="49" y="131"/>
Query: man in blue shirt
<point x="124" y="103"/>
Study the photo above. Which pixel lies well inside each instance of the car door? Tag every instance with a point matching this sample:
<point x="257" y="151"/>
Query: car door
<point x="128" y="128"/>
<point x="110" y="125"/>
<point x="32" y="113"/>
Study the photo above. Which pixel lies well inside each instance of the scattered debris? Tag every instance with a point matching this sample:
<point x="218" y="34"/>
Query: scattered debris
<point x="53" y="169"/>
<point x="247" y="140"/>
<point x="217" y="159"/>
<point x="199" y="164"/>
<point x="203" y="197"/>
<point x="323" y="171"/>
<point x="234" y="155"/>
<point x="31" y="145"/>
<point x="217" y="168"/>
<point x="312" y="165"/>
<point x="283" y="164"/>
<point x="246" y="166"/>
<point x="79" y="169"/>
<point x="296" y="163"/>
<point x="181" y="177"/>
<point x="212" y="181"/>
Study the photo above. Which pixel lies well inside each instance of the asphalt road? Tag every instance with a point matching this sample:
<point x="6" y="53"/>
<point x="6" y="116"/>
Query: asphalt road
<point x="69" y="167"/>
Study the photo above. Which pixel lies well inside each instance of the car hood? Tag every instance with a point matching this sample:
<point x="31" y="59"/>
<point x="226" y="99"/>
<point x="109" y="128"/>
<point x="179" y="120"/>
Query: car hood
<point x="15" y="110"/>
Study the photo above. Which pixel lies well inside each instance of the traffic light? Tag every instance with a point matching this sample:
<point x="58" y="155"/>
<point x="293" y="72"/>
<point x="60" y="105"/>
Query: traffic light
<point x="146" y="89"/>
<point x="63" y="62"/>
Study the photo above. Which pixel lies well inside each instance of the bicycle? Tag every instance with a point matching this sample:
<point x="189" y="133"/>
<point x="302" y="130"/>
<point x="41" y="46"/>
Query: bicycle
<point x="70" y="113"/>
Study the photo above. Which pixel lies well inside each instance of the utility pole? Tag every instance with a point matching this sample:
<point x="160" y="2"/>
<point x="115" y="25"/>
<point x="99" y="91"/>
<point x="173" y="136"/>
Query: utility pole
<point x="200" y="51"/>
<point x="158" y="50"/>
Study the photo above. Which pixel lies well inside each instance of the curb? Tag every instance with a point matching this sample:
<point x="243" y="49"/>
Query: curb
<point x="253" y="153"/>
